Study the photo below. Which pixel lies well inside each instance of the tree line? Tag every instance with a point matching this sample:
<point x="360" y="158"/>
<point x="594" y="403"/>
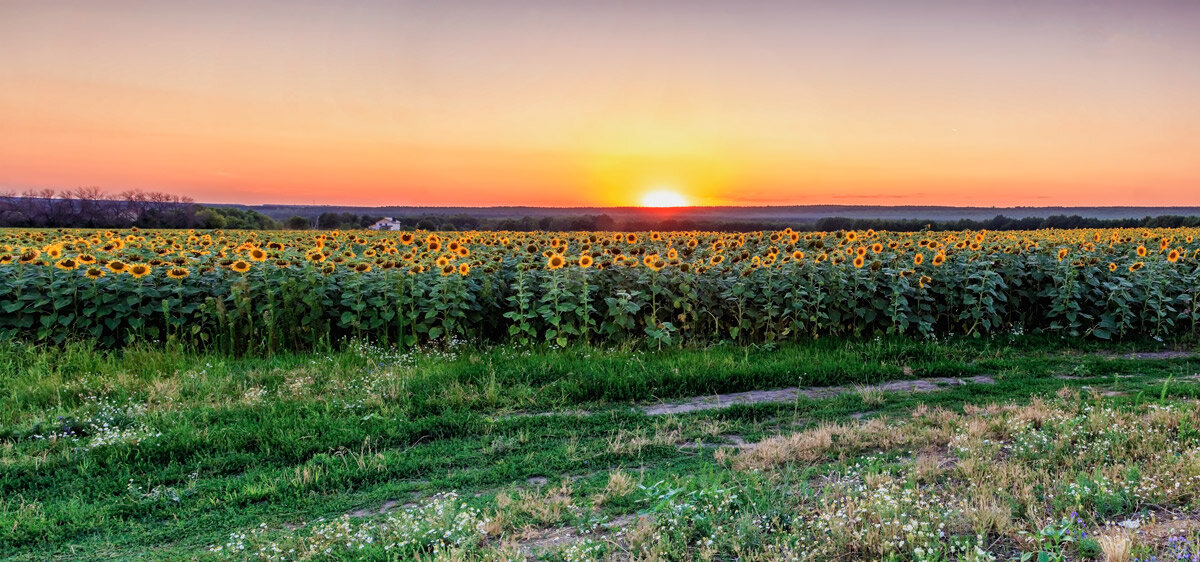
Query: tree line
<point x="90" y="207"/>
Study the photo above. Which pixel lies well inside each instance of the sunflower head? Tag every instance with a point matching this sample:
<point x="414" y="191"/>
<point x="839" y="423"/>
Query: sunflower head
<point x="139" y="270"/>
<point x="240" y="266"/>
<point x="177" y="272"/>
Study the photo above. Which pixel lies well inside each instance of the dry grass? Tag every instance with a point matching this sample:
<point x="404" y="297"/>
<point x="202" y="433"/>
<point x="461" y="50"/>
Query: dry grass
<point x="1117" y="547"/>
<point x="870" y="396"/>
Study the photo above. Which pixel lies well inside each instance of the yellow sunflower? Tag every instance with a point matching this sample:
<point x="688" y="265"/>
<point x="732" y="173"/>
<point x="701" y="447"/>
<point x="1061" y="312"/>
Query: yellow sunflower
<point x="139" y="270"/>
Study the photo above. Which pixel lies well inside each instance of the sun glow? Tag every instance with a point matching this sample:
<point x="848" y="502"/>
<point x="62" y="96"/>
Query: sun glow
<point x="664" y="198"/>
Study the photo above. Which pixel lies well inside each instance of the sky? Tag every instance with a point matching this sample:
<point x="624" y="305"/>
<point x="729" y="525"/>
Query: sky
<point x="570" y="103"/>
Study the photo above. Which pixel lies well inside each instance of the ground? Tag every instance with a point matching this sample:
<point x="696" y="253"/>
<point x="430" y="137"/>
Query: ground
<point x="874" y="449"/>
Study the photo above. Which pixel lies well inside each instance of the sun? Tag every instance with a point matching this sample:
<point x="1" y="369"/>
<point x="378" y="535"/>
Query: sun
<point x="664" y="198"/>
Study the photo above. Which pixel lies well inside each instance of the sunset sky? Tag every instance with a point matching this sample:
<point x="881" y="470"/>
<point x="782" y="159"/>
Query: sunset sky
<point x="565" y="103"/>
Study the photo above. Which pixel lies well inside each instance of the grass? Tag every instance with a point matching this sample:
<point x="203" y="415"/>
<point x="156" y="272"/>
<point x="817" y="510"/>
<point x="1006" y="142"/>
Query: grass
<point x="504" y="453"/>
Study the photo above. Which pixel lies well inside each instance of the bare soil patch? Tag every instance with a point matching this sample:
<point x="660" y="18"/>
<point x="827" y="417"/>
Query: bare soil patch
<point x="717" y="401"/>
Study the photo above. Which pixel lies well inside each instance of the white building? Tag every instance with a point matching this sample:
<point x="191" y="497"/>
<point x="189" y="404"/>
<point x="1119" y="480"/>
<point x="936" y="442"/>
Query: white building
<point x="386" y="223"/>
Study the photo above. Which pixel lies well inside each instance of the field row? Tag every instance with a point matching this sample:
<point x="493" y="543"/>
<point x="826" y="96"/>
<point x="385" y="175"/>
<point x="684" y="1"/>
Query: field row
<point x="269" y="290"/>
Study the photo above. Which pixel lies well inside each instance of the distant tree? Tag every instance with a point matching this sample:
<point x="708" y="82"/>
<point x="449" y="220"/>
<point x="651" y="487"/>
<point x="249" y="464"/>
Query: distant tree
<point x="296" y="222"/>
<point x="210" y="218"/>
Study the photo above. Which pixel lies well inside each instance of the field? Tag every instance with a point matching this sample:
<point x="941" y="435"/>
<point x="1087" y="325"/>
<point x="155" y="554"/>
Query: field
<point x="263" y="292"/>
<point x="1064" y="448"/>
<point x="579" y="396"/>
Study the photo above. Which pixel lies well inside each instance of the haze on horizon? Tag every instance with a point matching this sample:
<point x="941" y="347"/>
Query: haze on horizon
<point x="559" y="103"/>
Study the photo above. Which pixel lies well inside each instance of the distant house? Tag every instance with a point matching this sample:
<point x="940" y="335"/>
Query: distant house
<point x="386" y="223"/>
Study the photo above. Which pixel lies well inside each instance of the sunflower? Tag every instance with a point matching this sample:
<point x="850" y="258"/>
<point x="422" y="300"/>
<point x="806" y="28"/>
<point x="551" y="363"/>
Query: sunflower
<point x="1173" y="256"/>
<point x="117" y="266"/>
<point x="918" y="259"/>
<point x="6" y="259"/>
<point x="631" y="238"/>
<point x="797" y="255"/>
<point x="1141" y="251"/>
<point x="362" y="267"/>
<point x="1136" y="266"/>
<point x="94" y="273"/>
<point x="406" y="238"/>
<point x="177" y="272"/>
<point x="67" y="264"/>
<point x="447" y="270"/>
<point x="859" y="261"/>
<point x="29" y="255"/>
<point x="315" y="256"/>
<point x="86" y="259"/>
<point x="240" y="266"/>
<point x="443" y="261"/>
<point x="556" y="261"/>
<point x="464" y="268"/>
<point x="1112" y="266"/>
<point x="876" y="247"/>
<point x="1062" y="254"/>
<point x="939" y="259"/>
<point x="585" y="261"/>
<point x="258" y="255"/>
<point x="139" y="270"/>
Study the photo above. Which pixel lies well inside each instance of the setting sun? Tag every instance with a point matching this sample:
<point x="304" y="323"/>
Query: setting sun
<point x="664" y="198"/>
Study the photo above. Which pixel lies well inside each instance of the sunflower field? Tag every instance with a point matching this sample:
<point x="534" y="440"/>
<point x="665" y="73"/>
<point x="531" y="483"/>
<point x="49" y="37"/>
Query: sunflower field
<point x="263" y="291"/>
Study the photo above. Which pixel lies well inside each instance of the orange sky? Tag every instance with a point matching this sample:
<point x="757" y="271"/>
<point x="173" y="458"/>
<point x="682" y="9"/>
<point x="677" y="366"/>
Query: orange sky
<point x="569" y="103"/>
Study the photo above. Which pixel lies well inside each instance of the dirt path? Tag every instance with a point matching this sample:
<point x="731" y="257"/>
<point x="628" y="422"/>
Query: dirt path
<point x="717" y="401"/>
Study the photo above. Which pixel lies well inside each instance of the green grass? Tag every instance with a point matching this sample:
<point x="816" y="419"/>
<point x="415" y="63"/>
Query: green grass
<point x="201" y="446"/>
